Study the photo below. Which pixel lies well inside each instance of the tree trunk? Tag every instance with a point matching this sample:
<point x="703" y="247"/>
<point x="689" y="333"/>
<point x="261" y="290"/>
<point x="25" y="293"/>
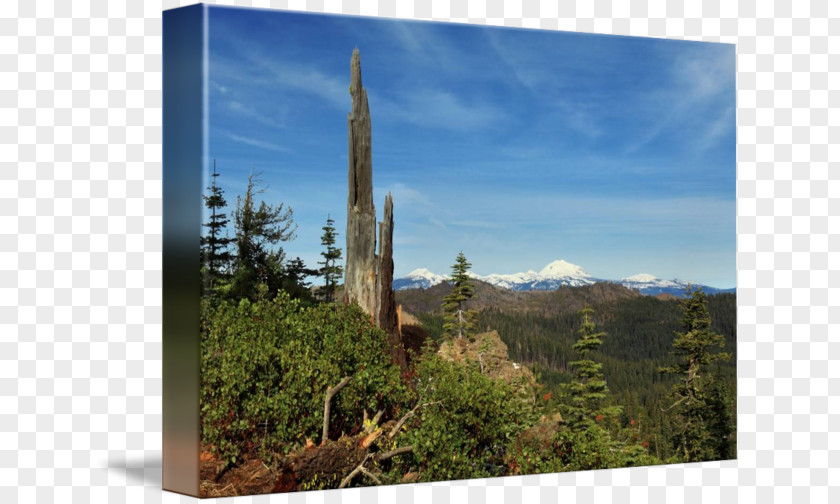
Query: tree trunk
<point x="360" y="271"/>
<point x="388" y="319"/>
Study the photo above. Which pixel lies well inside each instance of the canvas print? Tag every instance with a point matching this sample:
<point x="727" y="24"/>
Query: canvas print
<point x="436" y="251"/>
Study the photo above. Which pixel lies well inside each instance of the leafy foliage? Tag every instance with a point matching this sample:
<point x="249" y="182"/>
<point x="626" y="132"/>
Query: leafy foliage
<point x="557" y="449"/>
<point x="266" y="366"/>
<point x="466" y="424"/>
<point x="457" y="320"/>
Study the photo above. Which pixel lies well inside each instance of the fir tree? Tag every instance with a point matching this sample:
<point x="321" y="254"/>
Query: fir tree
<point x="294" y="280"/>
<point x="331" y="270"/>
<point x="587" y="392"/>
<point x="590" y="439"/>
<point x="258" y="230"/>
<point x="215" y="254"/>
<point x="457" y="320"/>
<point x="722" y="424"/>
<point x="696" y="412"/>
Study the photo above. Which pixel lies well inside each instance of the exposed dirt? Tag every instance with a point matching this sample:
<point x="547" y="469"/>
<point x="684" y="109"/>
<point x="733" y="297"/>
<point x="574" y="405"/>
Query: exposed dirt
<point x="313" y="468"/>
<point x="490" y="352"/>
<point x="250" y="477"/>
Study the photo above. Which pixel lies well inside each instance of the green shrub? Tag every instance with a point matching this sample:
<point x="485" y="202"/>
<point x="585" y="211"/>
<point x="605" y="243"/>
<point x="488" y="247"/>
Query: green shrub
<point x="266" y="367"/>
<point x="558" y="448"/>
<point x="466" y="425"/>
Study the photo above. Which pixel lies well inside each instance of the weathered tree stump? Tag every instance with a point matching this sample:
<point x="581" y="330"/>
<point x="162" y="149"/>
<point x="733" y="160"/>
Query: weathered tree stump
<point x="360" y="270"/>
<point x="388" y="319"/>
<point x="369" y="277"/>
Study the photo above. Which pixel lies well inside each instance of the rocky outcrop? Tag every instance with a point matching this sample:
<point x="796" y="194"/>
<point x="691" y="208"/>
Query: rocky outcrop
<point x="491" y="354"/>
<point x="360" y="269"/>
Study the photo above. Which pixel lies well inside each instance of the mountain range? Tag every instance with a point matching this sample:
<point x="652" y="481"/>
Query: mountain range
<point x="554" y="275"/>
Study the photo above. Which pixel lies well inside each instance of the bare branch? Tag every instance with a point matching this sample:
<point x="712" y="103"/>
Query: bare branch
<point x="330" y="393"/>
<point x="395" y="452"/>
<point x="404" y="419"/>
<point x="369" y="475"/>
<point x="378" y="457"/>
<point x="346" y="481"/>
<point x="675" y="404"/>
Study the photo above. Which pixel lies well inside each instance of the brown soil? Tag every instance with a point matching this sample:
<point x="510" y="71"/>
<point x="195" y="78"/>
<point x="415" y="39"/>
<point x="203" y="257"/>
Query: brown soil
<point x="313" y="468"/>
<point x="491" y="353"/>
<point x="250" y="477"/>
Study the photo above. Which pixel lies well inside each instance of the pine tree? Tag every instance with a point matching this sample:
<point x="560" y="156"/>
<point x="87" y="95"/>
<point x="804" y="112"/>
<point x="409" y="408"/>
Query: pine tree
<point x="215" y="254"/>
<point x="294" y="274"/>
<point x="330" y="270"/>
<point x="457" y="320"/>
<point x="587" y="392"/>
<point x="695" y="411"/>
<point x="590" y="436"/>
<point x="258" y="230"/>
<point x="722" y="424"/>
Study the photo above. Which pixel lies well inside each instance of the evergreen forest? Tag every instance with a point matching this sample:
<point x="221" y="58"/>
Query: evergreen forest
<point x="300" y="389"/>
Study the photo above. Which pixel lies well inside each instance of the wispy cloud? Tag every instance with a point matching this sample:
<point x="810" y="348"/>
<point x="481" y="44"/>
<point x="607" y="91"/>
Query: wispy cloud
<point x="579" y="117"/>
<point x="478" y="224"/>
<point x="717" y="129"/>
<point x="696" y="81"/>
<point x="705" y="75"/>
<point x="407" y="34"/>
<point x="311" y="80"/>
<point x="252" y="113"/>
<point x="514" y="64"/>
<point x="545" y="85"/>
<point x="252" y="69"/>
<point x="437" y="222"/>
<point x="430" y="50"/>
<point x="257" y="143"/>
<point x="406" y="194"/>
<point x="435" y="108"/>
<point x="218" y="87"/>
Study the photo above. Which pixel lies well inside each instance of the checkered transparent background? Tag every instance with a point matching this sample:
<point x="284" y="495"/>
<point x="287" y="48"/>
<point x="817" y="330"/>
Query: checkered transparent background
<point x="80" y="251"/>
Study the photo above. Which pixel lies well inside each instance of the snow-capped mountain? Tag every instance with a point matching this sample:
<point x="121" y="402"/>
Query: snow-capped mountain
<point x="651" y="285"/>
<point x="421" y="278"/>
<point x="555" y="274"/>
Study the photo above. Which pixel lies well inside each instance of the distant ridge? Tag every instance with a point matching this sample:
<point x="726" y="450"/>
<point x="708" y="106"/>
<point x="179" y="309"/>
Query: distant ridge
<point x="557" y="274"/>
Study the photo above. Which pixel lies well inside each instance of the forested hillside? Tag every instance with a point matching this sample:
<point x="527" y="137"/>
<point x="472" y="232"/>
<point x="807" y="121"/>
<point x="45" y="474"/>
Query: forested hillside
<point x="539" y="329"/>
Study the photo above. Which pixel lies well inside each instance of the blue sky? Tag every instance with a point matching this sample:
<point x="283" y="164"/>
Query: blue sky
<point x="517" y="147"/>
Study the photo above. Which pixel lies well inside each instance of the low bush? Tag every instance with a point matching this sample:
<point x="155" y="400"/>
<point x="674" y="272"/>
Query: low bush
<point x="266" y="367"/>
<point x="467" y="422"/>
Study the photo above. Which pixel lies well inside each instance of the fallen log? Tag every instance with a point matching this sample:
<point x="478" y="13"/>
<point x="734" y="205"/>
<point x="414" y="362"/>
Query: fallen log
<point x="339" y="462"/>
<point x="371" y="456"/>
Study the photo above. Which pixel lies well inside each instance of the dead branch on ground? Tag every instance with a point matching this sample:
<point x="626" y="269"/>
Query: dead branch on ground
<point x="327" y="400"/>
